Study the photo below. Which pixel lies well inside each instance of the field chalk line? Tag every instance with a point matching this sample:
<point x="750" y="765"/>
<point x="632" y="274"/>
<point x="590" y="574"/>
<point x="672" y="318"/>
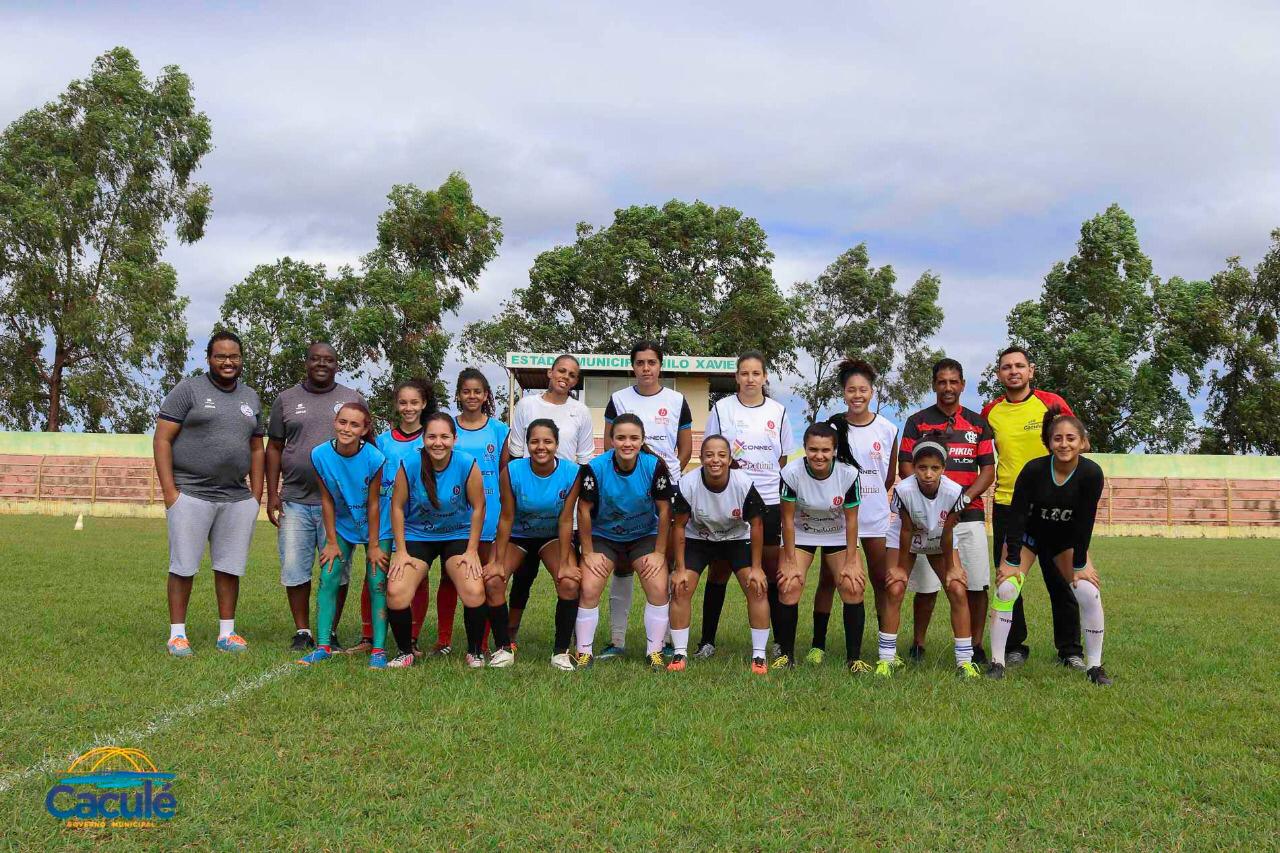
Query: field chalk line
<point x="130" y="736"/>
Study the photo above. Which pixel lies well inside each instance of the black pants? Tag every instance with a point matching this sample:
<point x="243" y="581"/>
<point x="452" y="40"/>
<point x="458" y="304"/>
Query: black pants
<point x="1066" y="610"/>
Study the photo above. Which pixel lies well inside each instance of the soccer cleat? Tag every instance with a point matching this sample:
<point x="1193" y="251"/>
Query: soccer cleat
<point x="916" y="654"/>
<point x="897" y="661"/>
<point x="759" y="667"/>
<point x="318" y="655"/>
<point x="512" y="645"/>
<point x="612" y="652"/>
<point x="378" y="660"/>
<point x="858" y="667"/>
<point x="677" y="664"/>
<point x="967" y="670"/>
<point x="474" y="661"/>
<point x="179" y="647"/>
<point x="584" y="660"/>
<point x="657" y="662"/>
<point x="884" y="669"/>
<point x="1099" y="676"/>
<point x="302" y="641"/>
<point x="563" y="661"/>
<point x="705" y="651"/>
<point x="1073" y="662"/>
<point x="782" y="662"/>
<point x="401" y="661"/>
<point x="668" y="651"/>
<point x="995" y="671"/>
<point x="775" y="650"/>
<point x="335" y="645"/>
<point x="1015" y="658"/>
<point x="815" y="656"/>
<point x="979" y="656"/>
<point x="232" y="643"/>
<point x="502" y="658"/>
<point x="362" y="647"/>
<point x="439" y="651"/>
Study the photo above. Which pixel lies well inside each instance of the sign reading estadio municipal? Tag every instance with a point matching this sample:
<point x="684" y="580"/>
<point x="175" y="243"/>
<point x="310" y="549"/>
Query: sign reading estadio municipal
<point x="604" y="361"/>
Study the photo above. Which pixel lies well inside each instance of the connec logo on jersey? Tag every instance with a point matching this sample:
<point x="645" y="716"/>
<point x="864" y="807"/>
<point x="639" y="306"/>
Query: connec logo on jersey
<point x="112" y="787"/>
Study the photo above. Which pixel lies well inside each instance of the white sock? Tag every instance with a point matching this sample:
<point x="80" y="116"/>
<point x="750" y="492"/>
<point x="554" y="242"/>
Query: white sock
<point x="680" y="640"/>
<point x="177" y="629"/>
<point x="1002" y="621"/>
<point x="759" y="640"/>
<point x="1091" y="620"/>
<point x="306" y="631"/>
<point x="888" y="646"/>
<point x="656" y="620"/>
<point x="588" y="618"/>
<point x="964" y="650"/>
<point x="226" y="627"/>
<point x="620" y="591"/>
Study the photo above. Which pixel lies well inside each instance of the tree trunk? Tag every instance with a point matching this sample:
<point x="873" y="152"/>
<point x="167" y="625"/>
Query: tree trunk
<point x="54" y="423"/>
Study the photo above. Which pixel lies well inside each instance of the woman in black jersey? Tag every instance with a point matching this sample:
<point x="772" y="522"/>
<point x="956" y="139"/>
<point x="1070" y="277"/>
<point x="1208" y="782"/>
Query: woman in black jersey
<point x="1055" y="502"/>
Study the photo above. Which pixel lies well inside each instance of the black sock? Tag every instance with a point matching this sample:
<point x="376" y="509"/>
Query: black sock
<point x="401" y="623"/>
<point x="498" y="625"/>
<point x="566" y="618"/>
<point x="774" y="605"/>
<point x="785" y="630"/>
<point x="712" y="604"/>
<point x="474" y="618"/>
<point x="855" y="620"/>
<point x="820" y="620"/>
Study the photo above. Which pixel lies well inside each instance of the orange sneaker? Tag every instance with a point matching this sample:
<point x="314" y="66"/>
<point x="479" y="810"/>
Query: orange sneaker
<point x="759" y="667"/>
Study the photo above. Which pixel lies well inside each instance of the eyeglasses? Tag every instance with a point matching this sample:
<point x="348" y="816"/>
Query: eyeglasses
<point x="225" y="359"/>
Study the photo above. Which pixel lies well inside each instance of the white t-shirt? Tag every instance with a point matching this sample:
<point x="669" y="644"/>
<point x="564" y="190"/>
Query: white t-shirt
<point x="928" y="515"/>
<point x="820" y="504"/>
<point x="718" y="516"/>
<point x="577" y="443"/>
<point x="758" y="437"/>
<point x="872" y="448"/>
<point x="664" y="415"/>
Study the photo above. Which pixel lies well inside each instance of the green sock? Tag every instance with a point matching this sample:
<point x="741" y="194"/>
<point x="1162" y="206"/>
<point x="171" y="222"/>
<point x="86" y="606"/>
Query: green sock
<point x="377" y="578"/>
<point x="327" y="597"/>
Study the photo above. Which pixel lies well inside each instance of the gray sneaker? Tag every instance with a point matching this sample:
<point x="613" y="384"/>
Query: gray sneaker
<point x="1073" y="662"/>
<point x="706" y="650"/>
<point x="1015" y="659"/>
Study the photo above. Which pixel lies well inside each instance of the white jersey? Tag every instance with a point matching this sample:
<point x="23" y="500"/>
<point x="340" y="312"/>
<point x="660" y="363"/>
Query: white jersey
<point x="577" y="442"/>
<point x="664" y="415"/>
<point x="928" y="515"/>
<point x="871" y="446"/>
<point x="820" y="504"/>
<point x="721" y="516"/>
<point x="758" y="437"/>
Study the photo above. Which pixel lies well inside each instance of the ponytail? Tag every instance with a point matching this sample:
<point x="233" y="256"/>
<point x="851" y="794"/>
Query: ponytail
<point x="429" y="472"/>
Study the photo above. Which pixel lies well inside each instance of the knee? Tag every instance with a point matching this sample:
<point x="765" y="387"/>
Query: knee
<point x="895" y="589"/>
<point x="1007" y="593"/>
<point x="494" y="588"/>
<point x="472" y="593"/>
<point x="398" y="596"/>
<point x="957" y="590"/>
<point x="568" y="588"/>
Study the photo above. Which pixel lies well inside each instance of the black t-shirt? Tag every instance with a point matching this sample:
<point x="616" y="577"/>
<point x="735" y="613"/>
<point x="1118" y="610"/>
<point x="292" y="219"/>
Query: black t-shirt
<point x="1056" y="517"/>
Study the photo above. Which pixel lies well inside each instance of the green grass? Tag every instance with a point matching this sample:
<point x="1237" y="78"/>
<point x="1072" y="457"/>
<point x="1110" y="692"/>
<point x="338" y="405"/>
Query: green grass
<point x="1182" y="753"/>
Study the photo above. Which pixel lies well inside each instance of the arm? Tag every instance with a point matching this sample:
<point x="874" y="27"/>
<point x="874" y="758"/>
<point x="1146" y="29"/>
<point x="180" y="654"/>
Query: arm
<point x="162" y="450"/>
<point x="986" y="463"/>
<point x="327" y="512"/>
<point x="257" y="457"/>
<point x="275" y="448"/>
<point x="684" y="436"/>
<point x="373" y="548"/>
<point x="399" y="498"/>
<point x="587" y="497"/>
<point x="789" y="571"/>
<point x="566" y="526"/>
<point x="661" y="491"/>
<point x="986" y="476"/>
<point x="889" y="478"/>
<point x="506" y="518"/>
<point x="475" y="496"/>
<point x="1082" y="520"/>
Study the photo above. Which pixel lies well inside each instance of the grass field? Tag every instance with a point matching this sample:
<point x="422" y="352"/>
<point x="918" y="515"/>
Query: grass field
<point x="1182" y="753"/>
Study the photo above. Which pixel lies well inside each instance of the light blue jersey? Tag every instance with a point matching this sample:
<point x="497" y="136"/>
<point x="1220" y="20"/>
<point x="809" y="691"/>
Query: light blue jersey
<point x="539" y="500"/>
<point x="395" y="446"/>
<point x="486" y="444"/>
<point x="452" y="519"/>
<point x="347" y="480"/>
<point x="624" y="506"/>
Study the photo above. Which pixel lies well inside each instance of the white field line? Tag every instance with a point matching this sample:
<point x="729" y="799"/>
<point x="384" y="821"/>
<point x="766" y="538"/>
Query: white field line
<point x="131" y="735"/>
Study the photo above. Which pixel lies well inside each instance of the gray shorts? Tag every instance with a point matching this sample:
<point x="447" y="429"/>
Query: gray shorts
<point x="623" y="554"/>
<point x="969" y="538"/>
<point x="226" y="527"/>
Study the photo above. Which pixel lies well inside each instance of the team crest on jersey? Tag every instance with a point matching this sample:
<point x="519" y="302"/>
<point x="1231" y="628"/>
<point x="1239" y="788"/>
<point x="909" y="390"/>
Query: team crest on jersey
<point x="971" y="436"/>
<point x="835" y="501"/>
<point x="663" y="411"/>
<point x="245" y="410"/>
<point x="770" y="424"/>
<point x="457" y="490"/>
<point x="875" y="447"/>
<point x="564" y="493"/>
<point x="737" y="513"/>
<point x="489" y="448"/>
<point x="337" y="407"/>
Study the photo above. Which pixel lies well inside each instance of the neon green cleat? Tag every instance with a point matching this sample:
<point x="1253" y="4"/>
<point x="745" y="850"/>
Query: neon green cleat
<point x="858" y="667"/>
<point x="967" y="670"/>
<point x="884" y="669"/>
<point x="782" y="662"/>
<point x="815" y="657"/>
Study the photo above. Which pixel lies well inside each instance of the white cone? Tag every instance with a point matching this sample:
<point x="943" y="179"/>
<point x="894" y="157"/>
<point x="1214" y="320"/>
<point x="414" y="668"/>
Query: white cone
<point x="80" y="522"/>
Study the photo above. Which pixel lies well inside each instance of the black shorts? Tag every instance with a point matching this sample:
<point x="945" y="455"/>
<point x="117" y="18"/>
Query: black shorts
<point x="532" y="547"/>
<point x="623" y="554"/>
<point x="1046" y="550"/>
<point x="427" y="552"/>
<point x="827" y="550"/>
<point x="699" y="553"/>
<point x="772" y="525"/>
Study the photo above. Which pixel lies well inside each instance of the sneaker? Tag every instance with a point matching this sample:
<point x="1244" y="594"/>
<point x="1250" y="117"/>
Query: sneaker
<point x="668" y="651"/>
<point x="318" y="655"/>
<point x="233" y="643"/>
<point x="858" y="667"/>
<point x="759" y="667"/>
<point x="1015" y="658"/>
<point x="179" y="647"/>
<point x="782" y="662"/>
<point x="705" y="651"/>
<point x="884" y="669"/>
<point x="378" y="660"/>
<point x="583" y="660"/>
<point x="1073" y="662"/>
<point x="995" y="671"/>
<point x="335" y="645"/>
<point x="401" y="661"/>
<point x="612" y="652"/>
<point x="916" y="654"/>
<point x="657" y="662"/>
<point x="302" y="641"/>
<point x="897" y="661"/>
<point x="815" y="657"/>
<point x="775" y="650"/>
<point x="563" y="662"/>
<point x="967" y="670"/>
<point x="502" y="658"/>
<point x="677" y="664"/>
<point x="474" y="661"/>
<point x="979" y="656"/>
<point x="439" y="651"/>
<point x="1099" y="676"/>
<point x="363" y="647"/>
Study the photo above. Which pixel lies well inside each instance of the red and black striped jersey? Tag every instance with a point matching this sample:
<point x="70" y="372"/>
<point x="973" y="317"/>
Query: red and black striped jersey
<point x="969" y="441"/>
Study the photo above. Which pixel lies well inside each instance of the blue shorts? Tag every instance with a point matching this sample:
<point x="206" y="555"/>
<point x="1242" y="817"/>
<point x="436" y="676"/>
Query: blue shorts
<point x="300" y="539"/>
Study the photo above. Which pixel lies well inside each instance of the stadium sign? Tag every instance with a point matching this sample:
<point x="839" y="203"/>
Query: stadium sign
<point x="611" y="361"/>
<point x="112" y="787"/>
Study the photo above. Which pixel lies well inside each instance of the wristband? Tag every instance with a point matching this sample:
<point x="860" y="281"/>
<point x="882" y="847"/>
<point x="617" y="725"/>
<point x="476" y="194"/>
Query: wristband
<point x="1079" y="569"/>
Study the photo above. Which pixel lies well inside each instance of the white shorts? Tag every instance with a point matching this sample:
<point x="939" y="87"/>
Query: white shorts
<point x="970" y="541"/>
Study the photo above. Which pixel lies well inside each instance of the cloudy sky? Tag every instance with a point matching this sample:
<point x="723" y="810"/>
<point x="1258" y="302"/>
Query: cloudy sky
<point x="967" y="138"/>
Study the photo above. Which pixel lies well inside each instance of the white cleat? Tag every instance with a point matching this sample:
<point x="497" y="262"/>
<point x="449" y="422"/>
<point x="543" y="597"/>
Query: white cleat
<point x="502" y="658"/>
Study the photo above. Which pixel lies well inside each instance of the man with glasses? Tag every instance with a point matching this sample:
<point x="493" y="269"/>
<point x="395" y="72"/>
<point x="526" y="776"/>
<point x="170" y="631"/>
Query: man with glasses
<point x="302" y="418"/>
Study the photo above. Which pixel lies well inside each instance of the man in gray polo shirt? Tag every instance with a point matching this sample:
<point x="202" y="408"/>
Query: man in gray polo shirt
<point x="208" y="438"/>
<point x="302" y="418"/>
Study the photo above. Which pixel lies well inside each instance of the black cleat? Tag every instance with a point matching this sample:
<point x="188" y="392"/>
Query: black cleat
<point x="1099" y="676"/>
<point x="995" y="671"/>
<point x="335" y="645"/>
<point x="302" y="641"/>
<point x="916" y="654"/>
<point x="1017" y="657"/>
<point x="979" y="655"/>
